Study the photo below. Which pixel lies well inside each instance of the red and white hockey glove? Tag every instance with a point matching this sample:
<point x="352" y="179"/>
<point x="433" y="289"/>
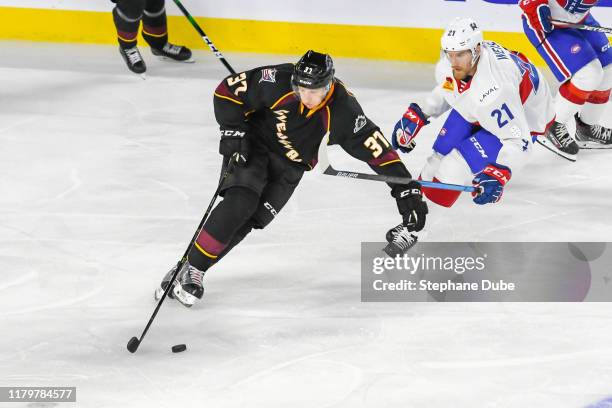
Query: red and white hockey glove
<point x="491" y="182"/>
<point x="538" y="14"/>
<point x="407" y="128"/>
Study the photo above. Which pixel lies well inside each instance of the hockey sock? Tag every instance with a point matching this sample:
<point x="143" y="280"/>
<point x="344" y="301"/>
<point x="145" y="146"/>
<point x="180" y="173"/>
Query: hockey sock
<point x="569" y="101"/>
<point x="445" y="198"/>
<point x="595" y="105"/>
<point x="127" y="15"/>
<point x="154" y="28"/>
<point x="224" y="222"/>
<point x="574" y="93"/>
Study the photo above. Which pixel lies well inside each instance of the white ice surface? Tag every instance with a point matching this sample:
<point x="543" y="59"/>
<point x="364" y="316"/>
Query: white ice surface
<point x="103" y="178"/>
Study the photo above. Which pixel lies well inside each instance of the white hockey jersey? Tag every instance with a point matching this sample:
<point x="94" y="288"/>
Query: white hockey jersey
<point x="507" y="96"/>
<point x="573" y="11"/>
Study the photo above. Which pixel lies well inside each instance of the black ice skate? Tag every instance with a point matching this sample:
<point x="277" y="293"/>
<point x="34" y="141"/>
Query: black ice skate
<point x="178" y="53"/>
<point x="558" y="140"/>
<point x="133" y="59"/>
<point x="400" y="241"/>
<point x="592" y="136"/>
<point x="393" y="232"/>
<point x="188" y="288"/>
<point x="164" y="284"/>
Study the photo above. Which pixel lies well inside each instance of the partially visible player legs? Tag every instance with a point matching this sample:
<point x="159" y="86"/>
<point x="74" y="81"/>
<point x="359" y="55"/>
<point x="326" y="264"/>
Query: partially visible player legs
<point x="242" y="209"/>
<point x="225" y="220"/>
<point x="126" y="16"/>
<point x="574" y="62"/>
<point x="452" y="169"/>
<point x="155" y="32"/>
<point x="459" y="146"/>
<point x="590" y="133"/>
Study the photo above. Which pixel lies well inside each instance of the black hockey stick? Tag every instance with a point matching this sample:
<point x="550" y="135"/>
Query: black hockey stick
<point x="567" y="24"/>
<point x="134" y="342"/>
<point x="326" y="168"/>
<point x="205" y="37"/>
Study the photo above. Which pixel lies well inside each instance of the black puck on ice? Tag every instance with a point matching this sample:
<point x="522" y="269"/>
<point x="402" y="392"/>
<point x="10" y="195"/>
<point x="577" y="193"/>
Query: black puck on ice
<point x="178" y="348"/>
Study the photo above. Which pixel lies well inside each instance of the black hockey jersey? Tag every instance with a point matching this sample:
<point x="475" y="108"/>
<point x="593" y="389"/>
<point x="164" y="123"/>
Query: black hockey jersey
<point x="262" y="103"/>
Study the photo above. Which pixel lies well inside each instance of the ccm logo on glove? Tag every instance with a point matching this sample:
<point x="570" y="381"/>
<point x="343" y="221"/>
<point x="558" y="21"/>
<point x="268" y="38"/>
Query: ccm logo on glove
<point x="408" y="192"/>
<point x="232" y="133"/>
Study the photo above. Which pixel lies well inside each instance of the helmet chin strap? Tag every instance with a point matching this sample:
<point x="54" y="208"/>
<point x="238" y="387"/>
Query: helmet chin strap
<point x="475" y="57"/>
<point x="476" y="51"/>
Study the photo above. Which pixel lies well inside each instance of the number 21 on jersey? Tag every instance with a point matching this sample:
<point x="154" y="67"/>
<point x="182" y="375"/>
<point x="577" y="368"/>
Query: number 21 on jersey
<point x="501" y="118"/>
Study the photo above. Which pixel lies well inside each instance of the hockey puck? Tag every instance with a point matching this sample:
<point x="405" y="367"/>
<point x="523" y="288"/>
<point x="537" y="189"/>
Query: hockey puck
<point x="178" y="348"/>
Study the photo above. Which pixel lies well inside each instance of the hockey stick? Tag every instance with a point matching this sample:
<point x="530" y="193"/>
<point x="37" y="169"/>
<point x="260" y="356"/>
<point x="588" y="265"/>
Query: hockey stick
<point x="134" y="342"/>
<point x="567" y="24"/>
<point x="326" y="168"/>
<point x="205" y="37"/>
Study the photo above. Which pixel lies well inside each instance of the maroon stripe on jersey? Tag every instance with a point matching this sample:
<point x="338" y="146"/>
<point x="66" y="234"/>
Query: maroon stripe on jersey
<point x="161" y="30"/>
<point x="387" y="157"/>
<point x="210" y="244"/>
<point x="324" y="113"/>
<point x="285" y="100"/>
<point x="224" y="90"/>
<point x="127" y="36"/>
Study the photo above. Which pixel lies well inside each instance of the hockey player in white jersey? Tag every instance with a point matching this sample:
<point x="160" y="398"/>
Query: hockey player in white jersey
<point x="499" y="104"/>
<point x="582" y="62"/>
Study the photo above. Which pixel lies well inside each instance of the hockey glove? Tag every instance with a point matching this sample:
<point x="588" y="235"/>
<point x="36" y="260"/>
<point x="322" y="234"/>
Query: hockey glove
<point x="407" y="128"/>
<point x="537" y="13"/>
<point x="491" y="182"/>
<point x="411" y="205"/>
<point x="234" y="146"/>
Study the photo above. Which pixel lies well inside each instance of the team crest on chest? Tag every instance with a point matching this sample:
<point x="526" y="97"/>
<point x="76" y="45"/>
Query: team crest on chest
<point x="448" y="84"/>
<point x="268" y="75"/>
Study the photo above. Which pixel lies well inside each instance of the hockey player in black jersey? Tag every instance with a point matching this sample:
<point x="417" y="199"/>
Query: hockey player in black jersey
<point x="272" y="121"/>
<point x="127" y="15"/>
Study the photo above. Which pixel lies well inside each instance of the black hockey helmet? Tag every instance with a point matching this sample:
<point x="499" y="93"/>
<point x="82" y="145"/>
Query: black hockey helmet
<point x="313" y="70"/>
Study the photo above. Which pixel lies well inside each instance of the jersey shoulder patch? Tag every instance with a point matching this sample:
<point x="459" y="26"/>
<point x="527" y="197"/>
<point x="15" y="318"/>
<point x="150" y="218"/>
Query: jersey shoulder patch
<point x="448" y="84"/>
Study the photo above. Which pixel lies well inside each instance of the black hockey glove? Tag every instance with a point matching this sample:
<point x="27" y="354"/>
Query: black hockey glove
<point x="411" y="205"/>
<point x="234" y="145"/>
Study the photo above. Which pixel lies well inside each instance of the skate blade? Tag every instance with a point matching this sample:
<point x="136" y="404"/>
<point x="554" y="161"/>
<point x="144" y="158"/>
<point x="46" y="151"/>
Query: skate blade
<point x="168" y="59"/>
<point x="185" y="298"/>
<point x="589" y="145"/>
<point x="159" y="292"/>
<point x="393" y="251"/>
<point x="552" y="148"/>
<point x="142" y="76"/>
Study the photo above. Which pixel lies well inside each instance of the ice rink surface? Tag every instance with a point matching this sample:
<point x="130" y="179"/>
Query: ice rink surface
<point x="103" y="179"/>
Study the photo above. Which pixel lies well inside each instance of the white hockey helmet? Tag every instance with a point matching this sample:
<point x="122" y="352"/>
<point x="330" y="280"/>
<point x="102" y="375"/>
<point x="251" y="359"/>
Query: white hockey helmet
<point x="462" y="34"/>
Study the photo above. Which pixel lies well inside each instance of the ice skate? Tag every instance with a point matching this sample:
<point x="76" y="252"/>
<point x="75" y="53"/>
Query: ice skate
<point x="400" y="240"/>
<point x="164" y="284"/>
<point x="592" y="136"/>
<point x="188" y="288"/>
<point x="558" y="140"/>
<point x="173" y="52"/>
<point x="133" y="60"/>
